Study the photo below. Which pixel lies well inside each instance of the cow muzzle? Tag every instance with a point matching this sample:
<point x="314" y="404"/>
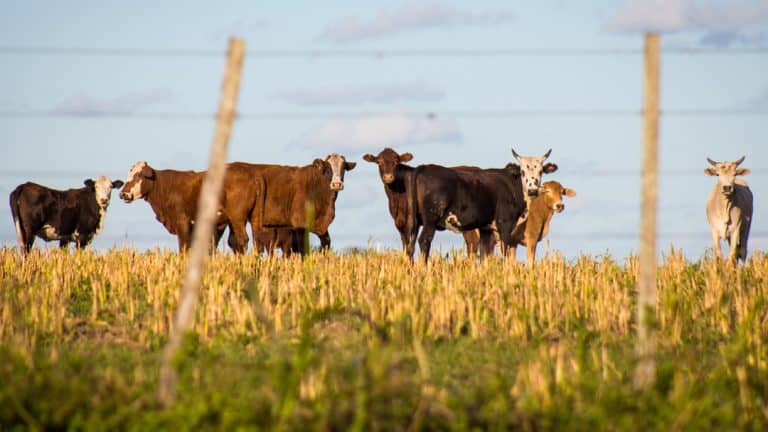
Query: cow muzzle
<point x="337" y="186"/>
<point x="104" y="202"/>
<point x="387" y="178"/>
<point x="533" y="192"/>
<point x="126" y="197"/>
<point x="559" y="207"/>
<point x="728" y="189"/>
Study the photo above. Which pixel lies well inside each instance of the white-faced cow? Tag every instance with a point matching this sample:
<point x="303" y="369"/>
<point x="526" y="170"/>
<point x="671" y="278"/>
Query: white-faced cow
<point x="531" y="169"/>
<point x="74" y="215"/>
<point x="173" y="196"/>
<point x="729" y="209"/>
<point x="300" y="198"/>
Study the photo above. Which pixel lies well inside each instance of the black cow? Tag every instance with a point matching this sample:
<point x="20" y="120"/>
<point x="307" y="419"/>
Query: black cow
<point x="74" y="215"/>
<point x="466" y="199"/>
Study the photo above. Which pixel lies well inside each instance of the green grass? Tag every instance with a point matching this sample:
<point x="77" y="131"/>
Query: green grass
<point x="367" y="342"/>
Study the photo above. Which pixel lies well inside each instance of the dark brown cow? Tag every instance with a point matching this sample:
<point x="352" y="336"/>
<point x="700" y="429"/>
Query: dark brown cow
<point x="535" y="226"/>
<point x="173" y="196"/>
<point x="398" y="185"/>
<point x="74" y="215"/>
<point x="301" y="198"/>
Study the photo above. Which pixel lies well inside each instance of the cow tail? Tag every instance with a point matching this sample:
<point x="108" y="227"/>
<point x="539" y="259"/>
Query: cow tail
<point x="257" y="218"/>
<point x="16" y="214"/>
<point x="413" y="207"/>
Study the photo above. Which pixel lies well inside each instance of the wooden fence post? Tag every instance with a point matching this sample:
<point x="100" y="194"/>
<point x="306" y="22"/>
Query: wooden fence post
<point x="208" y="205"/>
<point x="646" y="284"/>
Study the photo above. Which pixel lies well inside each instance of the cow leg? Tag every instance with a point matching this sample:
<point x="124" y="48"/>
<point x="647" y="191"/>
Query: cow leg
<point x="472" y="242"/>
<point x="733" y="244"/>
<point x="530" y="252"/>
<point x="300" y="241"/>
<point x="325" y="241"/>
<point x="716" y="244"/>
<point x="238" y="235"/>
<point x="425" y="240"/>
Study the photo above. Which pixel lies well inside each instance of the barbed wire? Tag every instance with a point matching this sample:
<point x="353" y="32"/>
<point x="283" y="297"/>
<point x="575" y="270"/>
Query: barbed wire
<point x="369" y="53"/>
<point x="470" y="114"/>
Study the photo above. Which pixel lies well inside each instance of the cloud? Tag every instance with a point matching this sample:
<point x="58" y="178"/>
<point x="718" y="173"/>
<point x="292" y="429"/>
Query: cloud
<point x="760" y="101"/>
<point x="407" y="18"/>
<point x="371" y="94"/>
<point x="82" y="104"/>
<point x="378" y="131"/>
<point x="722" y="24"/>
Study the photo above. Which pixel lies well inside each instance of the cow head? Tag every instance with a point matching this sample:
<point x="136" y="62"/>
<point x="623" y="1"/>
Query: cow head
<point x="726" y="173"/>
<point x="339" y="166"/>
<point x="554" y="192"/>
<point x="141" y="179"/>
<point x="387" y="160"/>
<point x="531" y="169"/>
<point x="102" y="188"/>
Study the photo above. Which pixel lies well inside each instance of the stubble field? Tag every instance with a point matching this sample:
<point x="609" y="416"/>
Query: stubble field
<point x="366" y="341"/>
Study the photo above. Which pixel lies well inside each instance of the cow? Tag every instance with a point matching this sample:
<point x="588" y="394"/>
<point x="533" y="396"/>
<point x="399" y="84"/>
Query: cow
<point x="729" y="209"/>
<point x="535" y="227"/>
<point x="398" y="186"/>
<point x="464" y="200"/>
<point x="73" y="215"/>
<point x="173" y="196"/>
<point x="301" y="198"/>
<point x="531" y="169"/>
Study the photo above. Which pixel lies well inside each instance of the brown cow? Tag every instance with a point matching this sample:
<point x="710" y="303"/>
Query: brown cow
<point x="531" y="230"/>
<point x="173" y="196"/>
<point x="398" y="185"/>
<point x="269" y="239"/>
<point x="73" y="215"/>
<point x="301" y="198"/>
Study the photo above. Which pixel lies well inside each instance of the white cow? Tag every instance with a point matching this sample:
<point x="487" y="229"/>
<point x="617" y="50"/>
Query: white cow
<point x="729" y="209"/>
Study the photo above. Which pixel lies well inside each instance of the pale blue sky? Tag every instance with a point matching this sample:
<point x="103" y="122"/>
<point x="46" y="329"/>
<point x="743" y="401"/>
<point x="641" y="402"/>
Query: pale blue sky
<point x="593" y="151"/>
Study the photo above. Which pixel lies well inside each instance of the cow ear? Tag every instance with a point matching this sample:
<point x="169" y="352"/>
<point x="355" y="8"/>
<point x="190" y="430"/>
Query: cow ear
<point x="349" y="166"/>
<point x="710" y="171"/>
<point x="148" y="172"/>
<point x="742" y="171"/>
<point x="89" y="183"/>
<point x="549" y="168"/>
<point x="569" y="192"/>
<point x="514" y="168"/>
<point x="406" y="157"/>
<point x="319" y="164"/>
<point x="117" y="184"/>
<point x="369" y="158"/>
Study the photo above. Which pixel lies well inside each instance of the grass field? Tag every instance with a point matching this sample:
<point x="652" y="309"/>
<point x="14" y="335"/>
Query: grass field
<point x="367" y="342"/>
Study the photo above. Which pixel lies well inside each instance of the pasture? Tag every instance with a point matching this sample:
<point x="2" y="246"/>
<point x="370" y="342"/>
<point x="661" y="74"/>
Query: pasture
<point x="365" y="341"/>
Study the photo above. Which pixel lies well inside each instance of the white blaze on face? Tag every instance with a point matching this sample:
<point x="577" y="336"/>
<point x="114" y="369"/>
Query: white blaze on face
<point x="337" y="168"/>
<point x="132" y="189"/>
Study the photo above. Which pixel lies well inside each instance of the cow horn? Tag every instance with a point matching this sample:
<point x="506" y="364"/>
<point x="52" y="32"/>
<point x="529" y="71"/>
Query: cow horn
<point x="741" y="159"/>
<point x="711" y="162"/>
<point x="546" y="155"/>
<point x="514" y="153"/>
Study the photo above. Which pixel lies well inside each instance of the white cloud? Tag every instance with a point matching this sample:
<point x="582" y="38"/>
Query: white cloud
<point x="86" y="105"/>
<point x="378" y="131"/>
<point x="371" y="94"/>
<point x="722" y="24"/>
<point x="411" y="17"/>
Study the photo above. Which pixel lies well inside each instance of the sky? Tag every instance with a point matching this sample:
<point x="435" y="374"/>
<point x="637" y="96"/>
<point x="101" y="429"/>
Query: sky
<point x="65" y="117"/>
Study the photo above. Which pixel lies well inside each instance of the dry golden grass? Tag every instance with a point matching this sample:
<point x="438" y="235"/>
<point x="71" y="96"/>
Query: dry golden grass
<point x="54" y="300"/>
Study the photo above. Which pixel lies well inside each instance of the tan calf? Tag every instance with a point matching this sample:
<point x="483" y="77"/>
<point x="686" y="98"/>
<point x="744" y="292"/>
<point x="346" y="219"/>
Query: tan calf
<point x="535" y="227"/>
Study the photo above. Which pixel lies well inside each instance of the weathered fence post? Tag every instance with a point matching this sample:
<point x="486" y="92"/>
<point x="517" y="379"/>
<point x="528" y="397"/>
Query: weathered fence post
<point x="207" y="207"/>
<point x="646" y="284"/>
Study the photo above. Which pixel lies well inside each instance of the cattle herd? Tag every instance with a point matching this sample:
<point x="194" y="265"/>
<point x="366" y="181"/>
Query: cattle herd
<point x="508" y="206"/>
